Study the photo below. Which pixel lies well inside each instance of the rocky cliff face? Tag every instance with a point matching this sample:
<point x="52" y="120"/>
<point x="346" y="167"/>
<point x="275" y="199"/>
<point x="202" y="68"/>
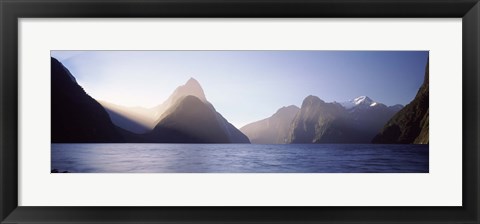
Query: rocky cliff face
<point x="411" y="124"/>
<point x="320" y="122"/>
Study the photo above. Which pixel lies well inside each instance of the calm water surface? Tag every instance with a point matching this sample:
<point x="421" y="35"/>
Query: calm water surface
<point x="239" y="158"/>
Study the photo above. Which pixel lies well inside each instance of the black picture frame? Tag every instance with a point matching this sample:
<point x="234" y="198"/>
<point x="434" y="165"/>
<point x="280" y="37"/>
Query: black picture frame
<point x="12" y="10"/>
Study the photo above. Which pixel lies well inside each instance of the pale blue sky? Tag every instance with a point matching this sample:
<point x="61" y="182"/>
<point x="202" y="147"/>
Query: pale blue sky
<point x="245" y="86"/>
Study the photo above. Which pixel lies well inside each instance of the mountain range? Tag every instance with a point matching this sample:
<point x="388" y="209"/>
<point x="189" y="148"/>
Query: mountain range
<point x="186" y="116"/>
<point x="354" y="121"/>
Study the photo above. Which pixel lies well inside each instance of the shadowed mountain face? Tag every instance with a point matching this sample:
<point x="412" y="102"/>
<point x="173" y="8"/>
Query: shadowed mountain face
<point x="189" y="121"/>
<point x="272" y="130"/>
<point x="77" y="117"/>
<point x="187" y="117"/>
<point x="234" y="135"/>
<point x="411" y="124"/>
<point x="356" y="121"/>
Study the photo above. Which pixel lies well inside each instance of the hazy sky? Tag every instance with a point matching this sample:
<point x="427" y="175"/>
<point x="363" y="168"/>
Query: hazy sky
<point x="246" y="86"/>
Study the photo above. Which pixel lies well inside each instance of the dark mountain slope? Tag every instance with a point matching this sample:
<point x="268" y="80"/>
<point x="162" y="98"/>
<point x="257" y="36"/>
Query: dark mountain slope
<point x="77" y="117"/>
<point x="411" y="124"/>
<point x="234" y="135"/>
<point x="189" y="121"/>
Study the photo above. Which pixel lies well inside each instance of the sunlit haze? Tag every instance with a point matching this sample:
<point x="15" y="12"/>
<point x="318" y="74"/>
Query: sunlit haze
<point x="246" y="86"/>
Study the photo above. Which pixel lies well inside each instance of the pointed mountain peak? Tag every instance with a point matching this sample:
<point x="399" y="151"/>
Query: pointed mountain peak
<point x="363" y="100"/>
<point x="192" y="82"/>
<point x="191" y="87"/>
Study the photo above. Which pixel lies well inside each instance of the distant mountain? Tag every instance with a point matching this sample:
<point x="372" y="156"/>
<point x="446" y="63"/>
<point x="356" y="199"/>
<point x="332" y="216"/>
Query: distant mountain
<point x="411" y="124"/>
<point x="364" y="103"/>
<point x="359" y="102"/>
<point x="135" y="119"/>
<point x="191" y="87"/>
<point x="355" y="121"/>
<point x="369" y="117"/>
<point x="272" y="130"/>
<point x="321" y="122"/>
<point x="187" y="117"/>
<point x="77" y="117"/>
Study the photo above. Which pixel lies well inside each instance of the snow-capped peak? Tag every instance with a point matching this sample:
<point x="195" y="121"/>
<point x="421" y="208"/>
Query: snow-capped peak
<point x="363" y="100"/>
<point x="359" y="101"/>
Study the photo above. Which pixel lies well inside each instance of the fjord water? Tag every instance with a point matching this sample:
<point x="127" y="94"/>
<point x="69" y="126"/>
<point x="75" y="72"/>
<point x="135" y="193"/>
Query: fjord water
<point x="239" y="158"/>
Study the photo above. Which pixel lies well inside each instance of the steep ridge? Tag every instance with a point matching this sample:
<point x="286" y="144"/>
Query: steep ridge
<point x="77" y="117"/>
<point x="411" y="124"/>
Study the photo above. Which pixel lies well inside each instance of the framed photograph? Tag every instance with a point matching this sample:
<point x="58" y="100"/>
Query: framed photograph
<point x="246" y="112"/>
